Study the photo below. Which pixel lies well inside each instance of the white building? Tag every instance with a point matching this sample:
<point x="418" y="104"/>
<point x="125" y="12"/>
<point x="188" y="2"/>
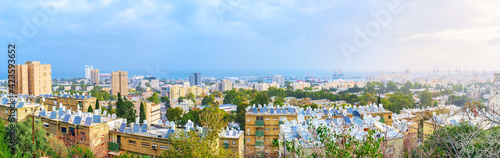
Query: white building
<point x="87" y="71"/>
<point x="280" y="80"/>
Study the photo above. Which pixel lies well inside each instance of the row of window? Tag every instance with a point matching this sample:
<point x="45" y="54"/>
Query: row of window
<point x="146" y="144"/>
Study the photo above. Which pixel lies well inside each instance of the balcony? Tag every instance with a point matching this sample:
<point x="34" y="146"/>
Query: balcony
<point x="281" y="122"/>
<point x="259" y="123"/>
<point x="259" y="133"/>
<point x="259" y="143"/>
<point x="114" y="147"/>
<point x="226" y="145"/>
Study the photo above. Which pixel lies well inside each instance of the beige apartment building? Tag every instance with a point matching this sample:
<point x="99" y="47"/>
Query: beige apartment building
<point x="94" y="76"/>
<point x="33" y="78"/>
<point x="153" y="113"/>
<point x="119" y="83"/>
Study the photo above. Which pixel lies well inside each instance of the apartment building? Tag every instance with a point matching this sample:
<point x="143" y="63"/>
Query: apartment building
<point x="233" y="140"/>
<point x="73" y="102"/>
<point x="33" y="78"/>
<point x="119" y="81"/>
<point x="94" y="76"/>
<point x="22" y="108"/>
<point x="262" y="127"/>
<point x="89" y="129"/>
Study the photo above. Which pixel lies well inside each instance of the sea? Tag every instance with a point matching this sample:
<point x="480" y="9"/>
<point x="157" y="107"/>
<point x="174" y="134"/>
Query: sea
<point x="184" y="74"/>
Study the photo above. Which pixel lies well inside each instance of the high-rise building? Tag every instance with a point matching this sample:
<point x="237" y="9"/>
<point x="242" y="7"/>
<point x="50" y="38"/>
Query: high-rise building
<point x="87" y="71"/>
<point x="94" y="76"/>
<point x="224" y="85"/>
<point x="33" y="78"/>
<point x="119" y="83"/>
<point x="195" y="79"/>
<point x="279" y="80"/>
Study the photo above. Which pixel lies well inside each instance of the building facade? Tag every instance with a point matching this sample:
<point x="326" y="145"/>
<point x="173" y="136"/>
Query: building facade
<point x="33" y="78"/>
<point x="195" y="79"/>
<point x="94" y="76"/>
<point x="280" y="80"/>
<point x="119" y="83"/>
<point x="262" y="127"/>
<point x="224" y="85"/>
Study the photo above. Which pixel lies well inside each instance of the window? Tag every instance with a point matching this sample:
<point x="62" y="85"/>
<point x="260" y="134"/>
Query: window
<point x="248" y="139"/>
<point x="267" y="139"/>
<point x="275" y="129"/>
<point x="234" y="142"/>
<point x="131" y="142"/>
<point x="389" y="116"/>
<point x="248" y="131"/>
<point x="260" y="118"/>
<point x="267" y="129"/>
<point x="72" y="131"/>
<point x="275" y="119"/>
<point x="248" y="119"/>
<point x="145" y="144"/>
<point x="267" y="119"/>
<point x="63" y="129"/>
<point x="225" y="141"/>
<point x="46" y="125"/>
<point x="164" y="147"/>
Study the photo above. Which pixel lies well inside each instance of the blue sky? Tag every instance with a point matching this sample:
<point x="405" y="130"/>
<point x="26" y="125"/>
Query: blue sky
<point x="252" y="35"/>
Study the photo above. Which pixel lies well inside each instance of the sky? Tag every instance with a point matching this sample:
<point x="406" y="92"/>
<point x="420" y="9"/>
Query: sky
<point x="362" y="35"/>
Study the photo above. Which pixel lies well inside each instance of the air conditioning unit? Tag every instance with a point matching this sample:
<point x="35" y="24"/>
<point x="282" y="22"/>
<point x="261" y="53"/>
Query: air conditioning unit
<point x="154" y="146"/>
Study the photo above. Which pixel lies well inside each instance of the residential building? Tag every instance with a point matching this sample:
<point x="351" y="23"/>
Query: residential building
<point x="185" y="105"/>
<point x="396" y="77"/>
<point x="88" y="129"/>
<point x="87" y="71"/>
<point x="262" y="127"/>
<point x="152" y="140"/>
<point x="119" y="81"/>
<point x="233" y="140"/>
<point x="73" y="102"/>
<point x="224" y="85"/>
<point x="280" y="80"/>
<point x="176" y="92"/>
<point x="22" y="109"/>
<point x="228" y="108"/>
<point x="197" y="91"/>
<point x="153" y="113"/>
<point x="195" y="79"/>
<point x="33" y="78"/>
<point x="94" y="76"/>
<point x="152" y="81"/>
<point x="300" y="85"/>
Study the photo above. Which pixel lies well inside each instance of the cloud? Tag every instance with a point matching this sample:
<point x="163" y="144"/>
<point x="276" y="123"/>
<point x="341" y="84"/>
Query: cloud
<point x="274" y="34"/>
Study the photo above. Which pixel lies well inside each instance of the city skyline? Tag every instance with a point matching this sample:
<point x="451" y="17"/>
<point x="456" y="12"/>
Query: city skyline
<point x="252" y="35"/>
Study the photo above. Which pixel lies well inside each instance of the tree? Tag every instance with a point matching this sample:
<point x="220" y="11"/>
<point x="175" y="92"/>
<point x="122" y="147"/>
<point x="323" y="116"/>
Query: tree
<point x="435" y="103"/>
<point x="154" y="98"/>
<point x="208" y="100"/>
<point x="192" y="144"/>
<point x="24" y="139"/>
<point x="142" y="113"/>
<point x="217" y="94"/>
<point x="120" y="111"/>
<point x="125" y="109"/>
<point x="191" y="97"/>
<point x="425" y="98"/>
<point x="174" y="114"/>
<point x="260" y="99"/>
<point x="148" y="85"/>
<point x="81" y="150"/>
<point x="4" y="148"/>
<point x="90" y="109"/>
<point x="139" y="88"/>
<point x="97" y="104"/>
